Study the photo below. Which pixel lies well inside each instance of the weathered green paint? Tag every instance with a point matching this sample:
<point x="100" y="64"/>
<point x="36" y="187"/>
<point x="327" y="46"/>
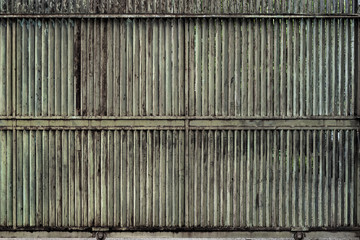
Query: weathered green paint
<point x="179" y="122"/>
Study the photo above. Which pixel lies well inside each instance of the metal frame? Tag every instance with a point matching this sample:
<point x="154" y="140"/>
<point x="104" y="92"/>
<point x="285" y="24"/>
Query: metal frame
<point x="185" y="123"/>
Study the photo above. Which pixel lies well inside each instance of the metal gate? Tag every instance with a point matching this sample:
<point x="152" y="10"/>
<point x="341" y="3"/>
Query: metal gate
<point x="239" y="117"/>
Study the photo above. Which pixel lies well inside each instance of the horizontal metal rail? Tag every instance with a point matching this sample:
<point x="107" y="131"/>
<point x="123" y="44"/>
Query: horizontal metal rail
<point x="154" y="124"/>
<point x="175" y="229"/>
<point x="178" y="118"/>
<point x="274" y="124"/>
<point x="147" y="235"/>
<point x="146" y="15"/>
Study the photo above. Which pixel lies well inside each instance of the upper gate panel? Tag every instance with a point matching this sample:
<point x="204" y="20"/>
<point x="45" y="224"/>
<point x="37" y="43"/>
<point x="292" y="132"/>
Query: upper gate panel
<point x="158" y="67"/>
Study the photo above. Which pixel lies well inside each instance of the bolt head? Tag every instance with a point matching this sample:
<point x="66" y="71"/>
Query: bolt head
<point x="100" y="235"/>
<point x="299" y="235"/>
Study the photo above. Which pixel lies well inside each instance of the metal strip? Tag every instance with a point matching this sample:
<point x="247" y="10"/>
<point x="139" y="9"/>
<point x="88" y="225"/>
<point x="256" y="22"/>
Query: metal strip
<point x="14" y="133"/>
<point x="8" y="232"/>
<point x="169" y="117"/>
<point x="149" y="235"/>
<point x="186" y="142"/>
<point x="274" y="124"/>
<point x="227" y="16"/>
<point x="357" y="69"/>
<point x="41" y="124"/>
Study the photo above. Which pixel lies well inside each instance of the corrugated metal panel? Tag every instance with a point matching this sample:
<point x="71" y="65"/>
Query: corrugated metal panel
<point x="271" y="68"/>
<point x="172" y="123"/>
<point x="246" y="178"/>
<point x="94" y="67"/>
<point x="128" y="67"/>
<point x="100" y="178"/>
<point x="265" y="178"/>
<point x="178" y="6"/>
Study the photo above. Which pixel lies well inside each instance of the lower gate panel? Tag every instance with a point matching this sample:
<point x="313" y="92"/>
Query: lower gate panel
<point x="168" y="179"/>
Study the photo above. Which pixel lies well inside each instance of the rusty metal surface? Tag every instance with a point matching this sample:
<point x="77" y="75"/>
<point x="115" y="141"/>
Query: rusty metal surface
<point x="129" y="116"/>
